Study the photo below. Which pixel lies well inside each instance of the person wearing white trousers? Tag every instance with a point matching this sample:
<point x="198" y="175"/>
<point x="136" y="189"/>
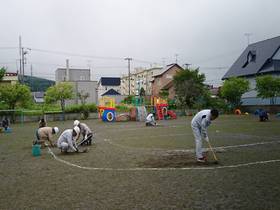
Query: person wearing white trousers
<point x="199" y="124"/>
<point x="67" y="140"/>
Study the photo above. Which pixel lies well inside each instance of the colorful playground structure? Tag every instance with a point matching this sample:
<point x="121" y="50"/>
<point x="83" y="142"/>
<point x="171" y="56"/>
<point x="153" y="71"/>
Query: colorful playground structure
<point x="106" y="109"/>
<point x="161" y="109"/>
<point x="138" y="111"/>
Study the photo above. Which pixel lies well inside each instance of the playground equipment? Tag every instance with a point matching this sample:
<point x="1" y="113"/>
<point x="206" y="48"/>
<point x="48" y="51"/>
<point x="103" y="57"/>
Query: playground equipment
<point x="161" y="109"/>
<point x="106" y="109"/>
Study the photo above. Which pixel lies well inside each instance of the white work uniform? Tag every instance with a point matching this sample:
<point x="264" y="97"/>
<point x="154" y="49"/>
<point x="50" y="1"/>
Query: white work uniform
<point x="199" y="124"/>
<point x="85" y="130"/>
<point x="150" y="119"/>
<point x="67" y="137"/>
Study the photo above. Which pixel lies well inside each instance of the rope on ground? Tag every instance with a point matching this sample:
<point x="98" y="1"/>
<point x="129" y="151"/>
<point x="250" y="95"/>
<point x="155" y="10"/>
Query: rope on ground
<point x="162" y="169"/>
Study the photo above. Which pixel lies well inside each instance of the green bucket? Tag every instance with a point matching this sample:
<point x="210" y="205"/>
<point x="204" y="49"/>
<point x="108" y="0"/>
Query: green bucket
<point x="36" y="150"/>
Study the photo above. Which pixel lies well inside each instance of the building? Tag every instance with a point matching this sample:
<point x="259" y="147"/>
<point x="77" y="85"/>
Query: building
<point x="80" y="79"/>
<point x="260" y="58"/>
<point x="164" y="80"/>
<point x="109" y="86"/>
<point x="9" y="78"/>
<point x="141" y="78"/>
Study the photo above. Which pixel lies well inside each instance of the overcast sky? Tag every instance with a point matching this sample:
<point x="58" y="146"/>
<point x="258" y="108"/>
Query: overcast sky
<point x="205" y="33"/>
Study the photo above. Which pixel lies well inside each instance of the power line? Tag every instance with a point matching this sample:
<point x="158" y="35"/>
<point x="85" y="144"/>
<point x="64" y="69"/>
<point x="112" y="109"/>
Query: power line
<point x="8" y="48"/>
<point x="74" y="54"/>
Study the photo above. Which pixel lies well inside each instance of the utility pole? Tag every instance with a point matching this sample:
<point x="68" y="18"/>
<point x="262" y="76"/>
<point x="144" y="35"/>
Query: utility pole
<point x="20" y="70"/>
<point x="23" y="60"/>
<point x="31" y="82"/>
<point x="128" y="60"/>
<point x="248" y="37"/>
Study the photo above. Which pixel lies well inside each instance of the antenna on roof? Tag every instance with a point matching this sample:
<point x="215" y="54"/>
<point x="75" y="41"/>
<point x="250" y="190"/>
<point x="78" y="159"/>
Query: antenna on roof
<point x="248" y="37"/>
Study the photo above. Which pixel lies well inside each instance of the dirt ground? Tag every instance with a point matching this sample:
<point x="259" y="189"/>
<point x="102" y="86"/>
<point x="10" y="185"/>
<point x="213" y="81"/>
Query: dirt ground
<point x="131" y="166"/>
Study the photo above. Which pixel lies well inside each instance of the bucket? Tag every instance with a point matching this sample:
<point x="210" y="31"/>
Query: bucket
<point x="36" y="150"/>
<point x="9" y="130"/>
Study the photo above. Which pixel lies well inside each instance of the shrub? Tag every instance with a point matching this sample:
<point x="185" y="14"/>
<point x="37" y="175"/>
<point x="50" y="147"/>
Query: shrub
<point x="122" y="108"/>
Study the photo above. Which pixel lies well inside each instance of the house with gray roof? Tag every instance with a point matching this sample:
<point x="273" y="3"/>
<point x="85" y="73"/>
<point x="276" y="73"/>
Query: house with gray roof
<point x="260" y="58"/>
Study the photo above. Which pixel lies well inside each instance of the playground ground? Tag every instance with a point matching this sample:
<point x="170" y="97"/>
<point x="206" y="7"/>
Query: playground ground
<point x="131" y="166"/>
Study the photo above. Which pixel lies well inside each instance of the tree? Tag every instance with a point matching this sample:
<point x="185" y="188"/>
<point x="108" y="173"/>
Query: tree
<point x="83" y="96"/>
<point x="15" y="94"/>
<point x="188" y="87"/>
<point x="268" y="87"/>
<point x="2" y="73"/>
<point x="164" y="94"/>
<point x="59" y="92"/>
<point x="233" y="89"/>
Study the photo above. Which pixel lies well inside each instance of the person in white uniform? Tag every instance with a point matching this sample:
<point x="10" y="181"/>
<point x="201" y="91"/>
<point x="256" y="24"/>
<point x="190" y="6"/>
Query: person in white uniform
<point x="67" y="140"/>
<point x="150" y="120"/>
<point x="199" y="124"/>
<point x="85" y="131"/>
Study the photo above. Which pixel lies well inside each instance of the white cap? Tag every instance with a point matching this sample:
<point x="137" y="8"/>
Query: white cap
<point x="76" y="129"/>
<point x="56" y="130"/>
<point x="76" y="122"/>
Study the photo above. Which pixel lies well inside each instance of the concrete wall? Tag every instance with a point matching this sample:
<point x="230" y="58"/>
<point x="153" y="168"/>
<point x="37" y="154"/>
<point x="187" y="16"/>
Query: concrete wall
<point x="74" y="75"/>
<point x="86" y="87"/>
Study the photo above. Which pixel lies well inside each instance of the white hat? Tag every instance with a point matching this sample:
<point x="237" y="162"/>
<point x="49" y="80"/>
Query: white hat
<point x="76" y="122"/>
<point x="56" y="130"/>
<point x="76" y="129"/>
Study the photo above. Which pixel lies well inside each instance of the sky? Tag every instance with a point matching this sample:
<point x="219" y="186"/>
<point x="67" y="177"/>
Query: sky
<point x="99" y="34"/>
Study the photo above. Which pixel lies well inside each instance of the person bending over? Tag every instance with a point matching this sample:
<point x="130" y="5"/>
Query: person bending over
<point x="199" y="125"/>
<point x="67" y="140"/>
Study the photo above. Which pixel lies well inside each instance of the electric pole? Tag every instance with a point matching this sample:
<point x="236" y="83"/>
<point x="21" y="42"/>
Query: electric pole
<point x="128" y="61"/>
<point x="23" y="60"/>
<point x="31" y="82"/>
<point x="20" y="70"/>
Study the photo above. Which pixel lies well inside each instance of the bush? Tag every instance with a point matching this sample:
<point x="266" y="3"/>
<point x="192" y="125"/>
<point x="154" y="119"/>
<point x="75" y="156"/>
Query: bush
<point x="122" y="108"/>
<point x="78" y="108"/>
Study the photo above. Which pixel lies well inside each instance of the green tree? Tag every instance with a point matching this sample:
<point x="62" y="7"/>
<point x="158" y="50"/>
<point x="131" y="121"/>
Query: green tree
<point x="164" y="94"/>
<point x="83" y="96"/>
<point x="15" y="95"/>
<point x="2" y="73"/>
<point x="188" y="87"/>
<point x="233" y="89"/>
<point x="268" y="87"/>
<point x="60" y="92"/>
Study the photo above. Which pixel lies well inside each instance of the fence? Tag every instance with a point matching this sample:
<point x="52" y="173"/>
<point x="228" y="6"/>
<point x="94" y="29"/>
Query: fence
<point x="21" y="116"/>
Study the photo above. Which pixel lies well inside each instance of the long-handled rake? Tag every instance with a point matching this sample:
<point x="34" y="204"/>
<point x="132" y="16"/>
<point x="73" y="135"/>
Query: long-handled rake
<point x="214" y="155"/>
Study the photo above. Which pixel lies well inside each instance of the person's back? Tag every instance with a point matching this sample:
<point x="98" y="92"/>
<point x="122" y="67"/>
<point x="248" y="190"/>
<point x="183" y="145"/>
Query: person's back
<point x="67" y="134"/>
<point x="84" y="129"/>
<point x="202" y="116"/>
<point x="45" y="132"/>
<point x="66" y="140"/>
